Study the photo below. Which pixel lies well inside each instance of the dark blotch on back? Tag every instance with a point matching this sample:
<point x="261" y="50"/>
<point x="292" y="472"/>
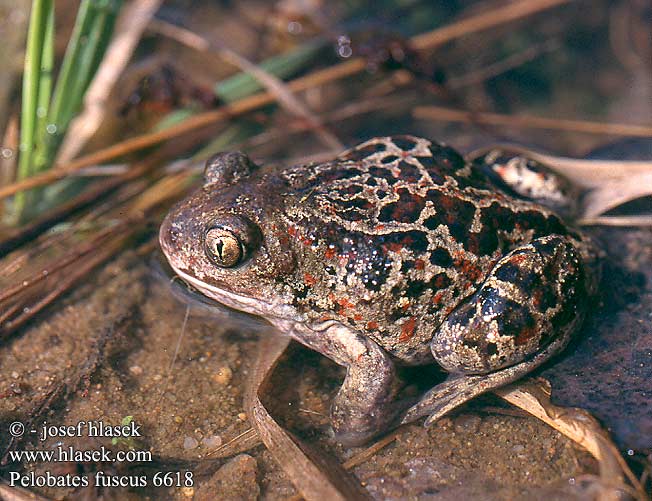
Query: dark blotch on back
<point x="441" y="257"/>
<point x="447" y="158"/>
<point x="414" y="240"/>
<point x="409" y="172"/>
<point x="456" y="214"/>
<point x="383" y="173"/>
<point x="361" y="153"/>
<point x="496" y="217"/>
<point x="404" y="143"/>
<point x="406" y="209"/>
<point x="513" y="319"/>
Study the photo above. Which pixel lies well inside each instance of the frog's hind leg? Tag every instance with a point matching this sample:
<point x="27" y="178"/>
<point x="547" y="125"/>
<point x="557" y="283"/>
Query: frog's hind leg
<point x="366" y="403"/>
<point x="460" y="388"/>
<point x="524" y="313"/>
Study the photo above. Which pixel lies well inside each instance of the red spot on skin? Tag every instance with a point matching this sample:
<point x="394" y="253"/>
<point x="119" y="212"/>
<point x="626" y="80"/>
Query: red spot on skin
<point x="518" y="259"/>
<point x="357" y="317"/>
<point x="344" y="303"/>
<point x="440" y="281"/>
<point x="309" y="279"/>
<point x="405" y="306"/>
<point x="437" y="298"/>
<point x="419" y="264"/>
<point x="407" y="330"/>
<point x="341" y="304"/>
<point x="379" y="227"/>
<point x="324" y="318"/>
<point x="394" y="247"/>
<point x="524" y="336"/>
<point x="473" y="243"/>
<point x="537" y="295"/>
<point x="307" y="241"/>
<point x="292" y="231"/>
<point x="372" y="325"/>
<point x="468" y="269"/>
<point x="330" y="253"/>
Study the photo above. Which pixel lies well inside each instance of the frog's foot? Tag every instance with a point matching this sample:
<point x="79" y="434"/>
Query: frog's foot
<point x="523" y="176"/>
<point x="524" y="313"/>
<point x="460" y="388"/>
<point x="366" y="404"/>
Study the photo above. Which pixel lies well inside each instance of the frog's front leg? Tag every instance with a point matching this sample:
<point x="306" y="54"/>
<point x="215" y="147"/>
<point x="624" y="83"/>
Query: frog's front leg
<point x="366" y="403"/>
<point x="523" y="314"/>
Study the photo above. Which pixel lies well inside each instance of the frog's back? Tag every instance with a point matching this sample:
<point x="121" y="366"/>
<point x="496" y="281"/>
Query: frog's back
<point x="398" y="231"/>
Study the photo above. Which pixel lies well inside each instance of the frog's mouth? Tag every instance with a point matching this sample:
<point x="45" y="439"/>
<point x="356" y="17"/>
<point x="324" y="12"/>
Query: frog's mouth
<point x="254" y="306"/>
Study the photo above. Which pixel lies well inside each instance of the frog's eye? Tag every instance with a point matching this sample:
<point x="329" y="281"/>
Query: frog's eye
<point x="230" y="240"/>
<point x="223" y="247"/>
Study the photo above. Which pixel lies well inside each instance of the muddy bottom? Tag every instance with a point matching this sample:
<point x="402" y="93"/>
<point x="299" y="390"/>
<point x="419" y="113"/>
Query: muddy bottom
<point x="123" y="350"/>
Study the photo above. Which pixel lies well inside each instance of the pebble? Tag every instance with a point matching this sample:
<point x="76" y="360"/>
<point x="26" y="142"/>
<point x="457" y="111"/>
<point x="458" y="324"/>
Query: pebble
<point x="136" y="370"/>
<point x="235" y="481"/>
<point x="212" y="442"/>
<point x="223" y="375"/>
<point x="190" y="443"/>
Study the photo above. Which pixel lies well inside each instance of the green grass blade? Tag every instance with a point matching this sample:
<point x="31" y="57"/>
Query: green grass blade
<point x="44" y="93"/>
<point x="91" y="35"/>
<point x="42" y="10"/>
<point x="68" y="66"/>
<point x="282" y="66"/>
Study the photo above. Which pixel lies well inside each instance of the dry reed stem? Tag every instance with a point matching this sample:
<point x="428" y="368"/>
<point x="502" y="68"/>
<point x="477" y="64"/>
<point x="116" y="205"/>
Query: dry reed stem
<point x="286" y="98"/>
<point x="533" y="396"/>
<point x="348" y="68"/>
<point x="315" y="475"/>
<point x="520" y="121"/>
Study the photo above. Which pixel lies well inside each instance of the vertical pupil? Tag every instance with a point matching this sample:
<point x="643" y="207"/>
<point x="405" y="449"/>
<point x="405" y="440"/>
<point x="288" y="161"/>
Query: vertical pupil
<point x="219" y="245"/>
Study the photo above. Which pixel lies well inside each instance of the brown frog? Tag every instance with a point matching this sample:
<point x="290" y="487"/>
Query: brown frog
<point x="396" y="252"/>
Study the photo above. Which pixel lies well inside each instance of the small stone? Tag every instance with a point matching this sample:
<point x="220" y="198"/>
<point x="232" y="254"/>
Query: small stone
<point x="136" y="370"/>
<point x="444" y="423"/>
<point x="178" y="419"/>
<point x="190" y="443"/>
<point x="15" y="375"/>
<point x="242" y="416"/>
<point x="188" y="492"/>
<point x="223" y="375"/>
<point x="518" y="448"/>
<point x="212" y="442"/>
<point x="236" y="480"/>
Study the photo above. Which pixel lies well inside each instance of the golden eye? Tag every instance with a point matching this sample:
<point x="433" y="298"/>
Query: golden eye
<point x="223" y="247"/>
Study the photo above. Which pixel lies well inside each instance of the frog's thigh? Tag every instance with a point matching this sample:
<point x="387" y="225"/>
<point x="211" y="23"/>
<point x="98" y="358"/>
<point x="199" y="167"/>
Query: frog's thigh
<point x="523" y="314"/>
<point x="365" y="404"/>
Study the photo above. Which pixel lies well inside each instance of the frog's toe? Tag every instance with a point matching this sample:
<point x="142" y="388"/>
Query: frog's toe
<point x="354" y="427"/>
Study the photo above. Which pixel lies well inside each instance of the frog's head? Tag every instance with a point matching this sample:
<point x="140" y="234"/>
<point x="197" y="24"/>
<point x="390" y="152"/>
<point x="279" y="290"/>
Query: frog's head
<point x="224" y="240"/>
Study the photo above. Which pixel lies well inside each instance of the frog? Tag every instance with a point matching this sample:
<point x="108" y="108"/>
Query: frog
<point x="398" y="252"/>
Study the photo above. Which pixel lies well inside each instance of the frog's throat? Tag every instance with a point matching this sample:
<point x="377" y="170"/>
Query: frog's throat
<point x="254" y="306"/>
